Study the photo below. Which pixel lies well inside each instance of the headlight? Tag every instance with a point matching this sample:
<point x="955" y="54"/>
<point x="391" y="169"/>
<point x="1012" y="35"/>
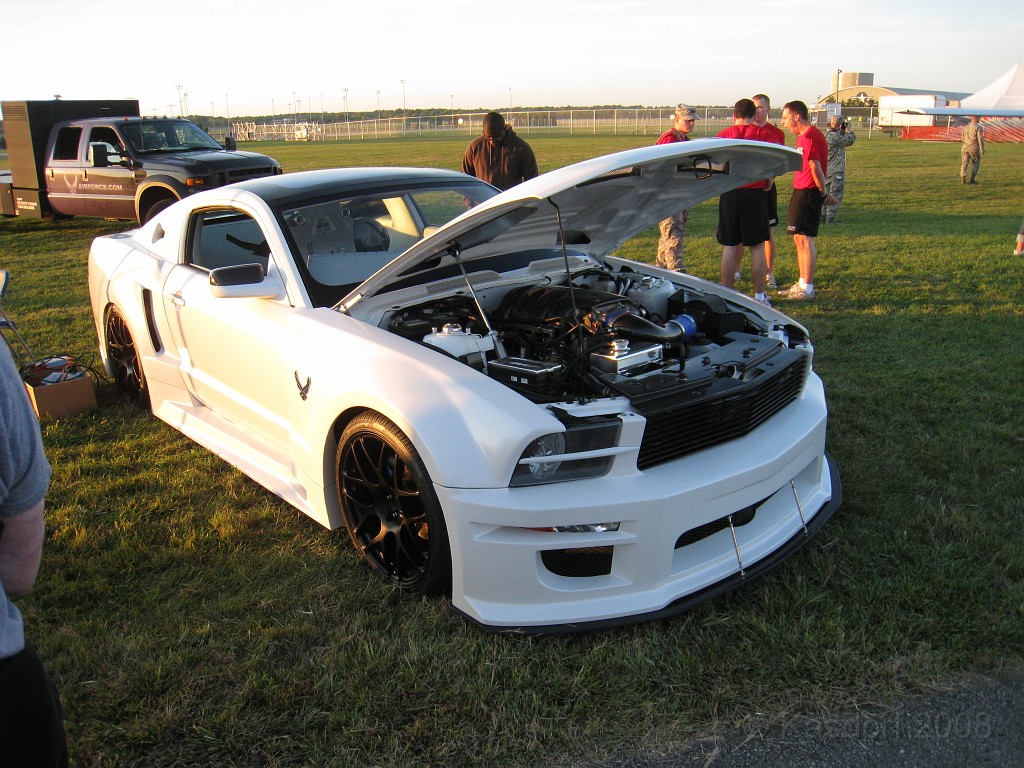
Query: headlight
<point x="585" y="449"/>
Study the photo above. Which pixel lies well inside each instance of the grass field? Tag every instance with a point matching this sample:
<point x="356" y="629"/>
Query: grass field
<point x="192" y="619"/>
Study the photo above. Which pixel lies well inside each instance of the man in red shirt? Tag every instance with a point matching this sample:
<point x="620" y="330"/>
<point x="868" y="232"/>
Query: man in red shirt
<point x="808" y="196"/>
<point x="743" y="212"/>
<point x="775" y="135"/>
<point x="671" y="244"/>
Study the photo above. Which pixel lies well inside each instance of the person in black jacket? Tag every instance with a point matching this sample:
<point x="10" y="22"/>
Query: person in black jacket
<point x="499" y="156"/>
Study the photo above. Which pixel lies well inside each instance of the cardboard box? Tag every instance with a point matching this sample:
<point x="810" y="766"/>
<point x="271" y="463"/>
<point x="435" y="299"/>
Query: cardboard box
<point x="63" y="398"/>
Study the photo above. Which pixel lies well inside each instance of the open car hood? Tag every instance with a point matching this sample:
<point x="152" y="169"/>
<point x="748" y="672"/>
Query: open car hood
<point x="598" y="204"/>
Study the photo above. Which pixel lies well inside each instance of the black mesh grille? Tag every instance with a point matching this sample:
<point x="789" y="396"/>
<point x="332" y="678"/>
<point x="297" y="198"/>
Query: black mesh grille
<point x="239" y="174"/>
<point x="717" y="417"/>
<point x="578" y="563"/>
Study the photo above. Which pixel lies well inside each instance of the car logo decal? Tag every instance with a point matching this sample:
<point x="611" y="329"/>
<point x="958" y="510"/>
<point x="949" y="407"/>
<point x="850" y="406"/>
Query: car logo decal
<point x="303" y="388"/>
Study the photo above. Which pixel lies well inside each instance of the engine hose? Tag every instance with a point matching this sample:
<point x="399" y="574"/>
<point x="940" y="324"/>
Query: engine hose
<point x="635" y="327"/>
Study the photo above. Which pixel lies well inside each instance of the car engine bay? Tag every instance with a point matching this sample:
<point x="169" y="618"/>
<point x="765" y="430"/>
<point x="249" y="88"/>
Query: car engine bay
<point x="602" y="334"/>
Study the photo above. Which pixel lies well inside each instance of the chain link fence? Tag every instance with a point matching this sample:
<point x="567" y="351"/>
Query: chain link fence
<point x="552" y="122"/>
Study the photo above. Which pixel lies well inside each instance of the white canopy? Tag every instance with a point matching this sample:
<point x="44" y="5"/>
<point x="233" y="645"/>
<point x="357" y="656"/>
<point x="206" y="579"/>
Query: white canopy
<point x="1005" y="93"/>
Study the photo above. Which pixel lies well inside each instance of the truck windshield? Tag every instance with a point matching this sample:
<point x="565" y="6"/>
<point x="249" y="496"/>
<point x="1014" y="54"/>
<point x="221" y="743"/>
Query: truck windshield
<point x="167" y="136"/>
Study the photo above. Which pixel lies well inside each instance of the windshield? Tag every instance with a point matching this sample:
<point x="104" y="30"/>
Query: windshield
<point x="167" y="136"/>
<point x="340" y="241"/>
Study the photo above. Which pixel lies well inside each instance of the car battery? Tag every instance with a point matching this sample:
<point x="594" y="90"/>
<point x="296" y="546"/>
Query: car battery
<point x="523" y="375"/>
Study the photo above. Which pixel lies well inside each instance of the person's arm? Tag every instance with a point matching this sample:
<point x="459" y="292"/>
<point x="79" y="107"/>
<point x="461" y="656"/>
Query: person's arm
<point x="467" y="162"/>
<point x="981" y="139"/>
<point x="21" y="548"/>
<point x="819" y="178"/>
<point x="529" y="169"/>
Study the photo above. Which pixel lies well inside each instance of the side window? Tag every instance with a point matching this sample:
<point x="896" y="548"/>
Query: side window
<point x="226" y="238"/>
<point x="106" y="135"/>
<point x="66" y="146"/>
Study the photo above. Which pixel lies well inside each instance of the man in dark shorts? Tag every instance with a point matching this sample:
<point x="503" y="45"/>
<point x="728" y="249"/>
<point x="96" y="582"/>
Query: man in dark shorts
<point x="775" y="135"/>
<point x="743" y="212"/>
<point x="808" y="196"/>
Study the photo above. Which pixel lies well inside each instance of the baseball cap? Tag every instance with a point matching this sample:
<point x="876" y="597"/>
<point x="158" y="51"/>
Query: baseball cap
<point x="686" y="112"/>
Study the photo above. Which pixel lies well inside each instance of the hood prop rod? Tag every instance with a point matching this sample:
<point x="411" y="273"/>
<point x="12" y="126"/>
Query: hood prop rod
<point x="584" y="358"/>
<point x="456" y="253"/>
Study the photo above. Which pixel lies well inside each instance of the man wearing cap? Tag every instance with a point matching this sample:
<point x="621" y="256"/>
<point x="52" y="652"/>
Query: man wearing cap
<point x="499" y="157"/>
<point x="838" y="137"/>
<point x="671" y="245"/>
<point x="972" y="139"/>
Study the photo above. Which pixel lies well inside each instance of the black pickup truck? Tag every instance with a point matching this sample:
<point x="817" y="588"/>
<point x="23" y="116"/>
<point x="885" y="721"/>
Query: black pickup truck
<point x="100" y="158"/>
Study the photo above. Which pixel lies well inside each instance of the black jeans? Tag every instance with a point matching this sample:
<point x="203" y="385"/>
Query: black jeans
<point x="31" y="719"/>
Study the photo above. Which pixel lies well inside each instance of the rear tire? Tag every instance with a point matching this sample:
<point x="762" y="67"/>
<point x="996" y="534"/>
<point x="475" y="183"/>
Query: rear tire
<point x="390" y="508"/>
<point x="124" y="358"/>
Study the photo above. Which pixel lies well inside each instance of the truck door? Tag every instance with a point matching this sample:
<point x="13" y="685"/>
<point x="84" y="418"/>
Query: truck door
<point x="108" y="185"/>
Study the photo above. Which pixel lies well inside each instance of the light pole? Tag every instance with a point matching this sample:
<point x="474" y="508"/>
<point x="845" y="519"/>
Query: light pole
<point x="839" y="72"/>
<point x="403" y="98"/>
<point x="179" y="87"/>
<point x="453" y="110"/>
<point x="345" y="91"/>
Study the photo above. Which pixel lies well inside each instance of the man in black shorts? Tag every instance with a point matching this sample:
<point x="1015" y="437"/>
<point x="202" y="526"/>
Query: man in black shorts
<point x="808" y="196"/>
<point x="743" y="212"/>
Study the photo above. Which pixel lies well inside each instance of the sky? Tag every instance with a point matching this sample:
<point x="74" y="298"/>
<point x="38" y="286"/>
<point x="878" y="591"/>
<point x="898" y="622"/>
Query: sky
<point x="261" y="57"/>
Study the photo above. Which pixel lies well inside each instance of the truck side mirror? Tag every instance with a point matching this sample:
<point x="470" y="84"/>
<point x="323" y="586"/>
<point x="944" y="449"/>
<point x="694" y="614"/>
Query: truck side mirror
<point x="229" y="142"/>
<point x="100" y="156"/>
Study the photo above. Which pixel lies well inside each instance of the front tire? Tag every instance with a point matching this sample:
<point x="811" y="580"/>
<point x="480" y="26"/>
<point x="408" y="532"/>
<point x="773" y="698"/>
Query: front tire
<point x="157" y="208"/>
<point x="391" y="511"/>
<point x="124" y="359"/>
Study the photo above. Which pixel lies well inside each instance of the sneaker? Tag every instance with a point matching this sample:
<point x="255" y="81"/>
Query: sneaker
<point x="798" y="291"/>
<point x="1018" y="253"/>
<point x="769" y="281"/>
<point x="763" y="301"/>
<point x="737" y="277"/>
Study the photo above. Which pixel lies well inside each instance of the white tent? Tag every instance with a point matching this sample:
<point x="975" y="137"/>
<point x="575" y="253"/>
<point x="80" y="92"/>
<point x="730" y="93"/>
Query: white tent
<point x="1005" y="93"/>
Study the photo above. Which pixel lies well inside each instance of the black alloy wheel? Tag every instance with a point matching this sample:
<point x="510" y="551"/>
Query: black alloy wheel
<point x="391" y="511"/>
<point x="123" y="355"/>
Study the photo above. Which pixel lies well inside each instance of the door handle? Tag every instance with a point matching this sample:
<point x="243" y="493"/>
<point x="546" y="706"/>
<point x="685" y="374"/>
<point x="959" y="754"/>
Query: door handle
<point x="178" y="300"/>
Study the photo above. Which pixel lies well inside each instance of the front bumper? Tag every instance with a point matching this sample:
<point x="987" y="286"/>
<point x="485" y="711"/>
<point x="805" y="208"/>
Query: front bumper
<point x="674" y="546"/>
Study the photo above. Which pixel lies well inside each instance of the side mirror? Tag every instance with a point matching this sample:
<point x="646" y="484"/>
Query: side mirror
<point x="245" y="281"/>
<point x="100" y="156"/>
<point x="229" y="142"/>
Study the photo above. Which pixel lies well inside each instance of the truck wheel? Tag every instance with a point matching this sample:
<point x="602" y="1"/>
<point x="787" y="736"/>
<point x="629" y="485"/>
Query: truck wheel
<point x="156" y="208"/>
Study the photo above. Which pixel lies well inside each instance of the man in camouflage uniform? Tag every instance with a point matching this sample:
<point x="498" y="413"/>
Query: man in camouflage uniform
<point x="973" y="147"/>
<point x="838" y="137"/>
<point x="671" y="245"/>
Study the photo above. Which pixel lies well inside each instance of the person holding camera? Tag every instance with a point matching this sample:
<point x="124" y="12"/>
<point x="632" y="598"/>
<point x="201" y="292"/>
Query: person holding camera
<point x="838" y="137"/>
